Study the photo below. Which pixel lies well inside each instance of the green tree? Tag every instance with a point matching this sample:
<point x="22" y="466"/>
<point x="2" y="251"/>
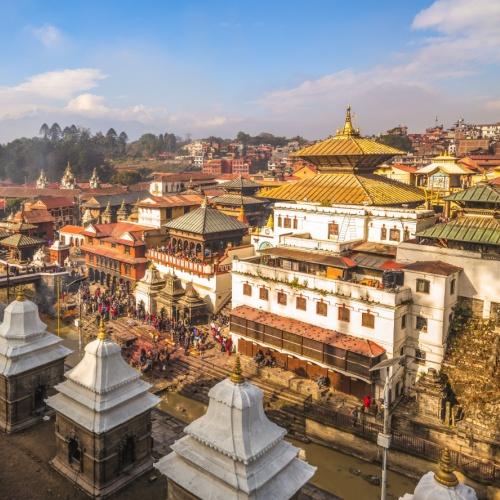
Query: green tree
<point x="402" y="142"/>
<point x="44" y="131"/>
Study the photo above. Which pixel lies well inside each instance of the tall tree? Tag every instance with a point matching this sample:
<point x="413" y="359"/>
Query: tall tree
<point x="44" y="131"/>
<point x="55" y="132"/>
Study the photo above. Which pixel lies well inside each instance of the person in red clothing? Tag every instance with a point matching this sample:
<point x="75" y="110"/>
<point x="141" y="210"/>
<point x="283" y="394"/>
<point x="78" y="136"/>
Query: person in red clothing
<point x="367" y="401"/>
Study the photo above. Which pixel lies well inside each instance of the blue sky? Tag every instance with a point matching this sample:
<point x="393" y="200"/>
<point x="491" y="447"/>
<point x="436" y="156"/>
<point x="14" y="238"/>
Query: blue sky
<point x="216" y="67"/>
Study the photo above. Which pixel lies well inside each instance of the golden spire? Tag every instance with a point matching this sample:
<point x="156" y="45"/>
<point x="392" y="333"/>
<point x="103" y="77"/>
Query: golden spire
<point x="444" y="474"/>
<point x="348" y="129"/>
<point x="237" y="377"/>
<point x="270" y="222"/>
<point x="101" y="334"/>
<point x="20" y="295"/>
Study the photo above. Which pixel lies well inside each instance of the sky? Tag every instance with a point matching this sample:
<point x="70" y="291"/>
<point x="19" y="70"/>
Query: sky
<point x="216" y="67"/>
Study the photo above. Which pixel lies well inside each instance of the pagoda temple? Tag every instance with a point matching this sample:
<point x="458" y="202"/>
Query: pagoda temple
<point x="239" y="198"/>
<point x="234" y="451"/>
<point x="346" y="163"/>
<point x="31" y="363"/>
<point x="103" y="420"/>
<point x="42" y="182"/>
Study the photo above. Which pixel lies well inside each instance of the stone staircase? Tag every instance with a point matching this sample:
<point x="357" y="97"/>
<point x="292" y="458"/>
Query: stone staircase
<point x="284" y="407"/>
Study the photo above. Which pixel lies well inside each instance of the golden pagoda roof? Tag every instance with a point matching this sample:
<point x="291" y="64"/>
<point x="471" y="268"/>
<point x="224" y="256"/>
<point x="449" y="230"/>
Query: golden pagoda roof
<point x="348" y="188"/>
<point x="347" y="150"/>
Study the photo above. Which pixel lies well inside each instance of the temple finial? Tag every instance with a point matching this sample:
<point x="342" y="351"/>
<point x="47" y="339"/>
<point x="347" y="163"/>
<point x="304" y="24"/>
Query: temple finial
<point x="20" y="295"/>
<point x="444" y="474"/>
<point x="237" y="376"/>
<point x="348" y="128"/>
<point x="102" y="335"/>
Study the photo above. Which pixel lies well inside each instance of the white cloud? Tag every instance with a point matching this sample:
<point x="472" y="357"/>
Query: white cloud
<point x="49" y="35"/>
<point x="467" y="43"/>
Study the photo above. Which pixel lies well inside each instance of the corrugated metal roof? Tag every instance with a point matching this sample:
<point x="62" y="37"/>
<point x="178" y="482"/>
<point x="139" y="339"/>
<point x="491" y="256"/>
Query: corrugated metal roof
<point x="348" y="189"/>
<point x="324" y="258"/>
<point x="469" y="229"/>
<point x="206" y="220"/>
<point x="237" y="200"/>
<point x="480" y="193"/>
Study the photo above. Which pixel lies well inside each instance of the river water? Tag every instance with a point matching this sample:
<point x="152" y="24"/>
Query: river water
<point x="337" y="472"/>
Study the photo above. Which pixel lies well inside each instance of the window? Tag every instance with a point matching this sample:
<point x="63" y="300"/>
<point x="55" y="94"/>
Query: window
<point x="91" y="258"/>
<point x="127" y="268"/>
<point x="344" y="314"/>
<point x="168" y="213"/>
<point x="287" y="223"/>
<point x="321" y="308"/>
<point x="368" y="320"/>
<point x="301" y="303"/>
<point x="127" y="452"/>
<point x="383" y="233"/>
<point x="263" y="293"/>
<point x="421" y="323"/>
<point x="403" y="321"/>
<point x="419" y="356"/>
<point x="333" y="230"/>
<point x="282" y="298"/>
<point x="74" y="452"/>
<point x="406" y="234"/>
<point x="402" y="351"/>
<point x="295" y="223"/>
<point x="127" y="250"/>
<point x="423" y="286"/>
<point x="101" y="242"/>
<point x="453" y="283"/>
<point x="113" y="245"/>
<point x="247" y="289"/>
<point x="279" y="221"/>
<point x="394" y="234"/>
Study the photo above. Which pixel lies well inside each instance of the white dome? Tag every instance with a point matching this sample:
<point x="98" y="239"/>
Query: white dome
<point x="430" y="489"/>
<point x="21" y="320"/>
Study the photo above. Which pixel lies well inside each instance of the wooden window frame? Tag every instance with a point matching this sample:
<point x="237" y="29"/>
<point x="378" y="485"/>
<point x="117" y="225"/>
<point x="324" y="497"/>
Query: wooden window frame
<point x="319" y="306"/>
<point x="368" y="320"/>
<point x="300" y="298"/>
<point x="247" y="289"/>
<point x="263" y="293"/>
<point x="280" y="300"/>
<point x="423" y="286"/>
<point x="343" y="310"/>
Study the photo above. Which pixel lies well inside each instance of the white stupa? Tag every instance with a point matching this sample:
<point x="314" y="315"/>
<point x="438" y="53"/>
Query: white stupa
<point x="441" y="485"/>
<point x="234" y="451"/>
<point x="102" y="391"/>
<point x="25" y="343"/>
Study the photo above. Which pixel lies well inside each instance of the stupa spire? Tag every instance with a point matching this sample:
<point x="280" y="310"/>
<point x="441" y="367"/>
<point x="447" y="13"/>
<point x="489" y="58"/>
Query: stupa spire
<point x="237" y="375"/>
<point x="102" y="335"/>
<point x="20" y="295"/>
<point x="348" y="129"/>
<point x="445" y="475"/>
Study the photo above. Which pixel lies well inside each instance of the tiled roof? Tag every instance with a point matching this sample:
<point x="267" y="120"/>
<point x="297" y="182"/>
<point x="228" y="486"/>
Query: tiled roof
<point x="37" y="216"/>
<point x="468" y="229"/>
<point x="57" y="201"/>
<point x="115" y="199"/>
<point x="205" y="220"/>
<point x="316" y="257"/>
<point x="433" y="267"/>
<point x="447" y="168"/>
<point x="21" y="240"/>
<point x="310" y="331"/>
<point x="480" y="193"/>
<point x="72" y="229"/>
<point x="349" y="189"/>
<point x="175" y="200"/>
<point x="240" y="183"/>
<point x="237" y="200"/>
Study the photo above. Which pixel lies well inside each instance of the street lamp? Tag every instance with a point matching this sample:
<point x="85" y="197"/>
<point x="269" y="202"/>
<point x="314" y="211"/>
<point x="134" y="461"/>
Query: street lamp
<point x="384" y="437"/>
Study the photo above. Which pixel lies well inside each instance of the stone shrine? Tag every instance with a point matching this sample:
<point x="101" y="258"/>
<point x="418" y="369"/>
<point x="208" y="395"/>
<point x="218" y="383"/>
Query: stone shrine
<point x="103" y="421"/>
<point x="31" y="363"/>
<point x="148" y="288"/>
<point x="234" y="451"/>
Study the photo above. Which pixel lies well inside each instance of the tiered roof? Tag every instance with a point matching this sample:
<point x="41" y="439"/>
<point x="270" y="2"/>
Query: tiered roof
<point x="25" y="343"/>
<point x="346" y="163"/>
<point x="234" y="451"/>
<point x="102" y="391"/>
<point x="205" y="220"/>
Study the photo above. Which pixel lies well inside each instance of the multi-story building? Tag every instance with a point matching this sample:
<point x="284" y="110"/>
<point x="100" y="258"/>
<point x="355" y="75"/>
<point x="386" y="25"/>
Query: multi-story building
<point x="156" y="211"/>
<point x="326" y="295"/>
<point x="116" y="253"/>
<point x="164" y="184"/>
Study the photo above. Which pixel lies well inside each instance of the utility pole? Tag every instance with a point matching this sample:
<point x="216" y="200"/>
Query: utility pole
<point x="384" y="437"/>
<point x="58" y="285"/>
